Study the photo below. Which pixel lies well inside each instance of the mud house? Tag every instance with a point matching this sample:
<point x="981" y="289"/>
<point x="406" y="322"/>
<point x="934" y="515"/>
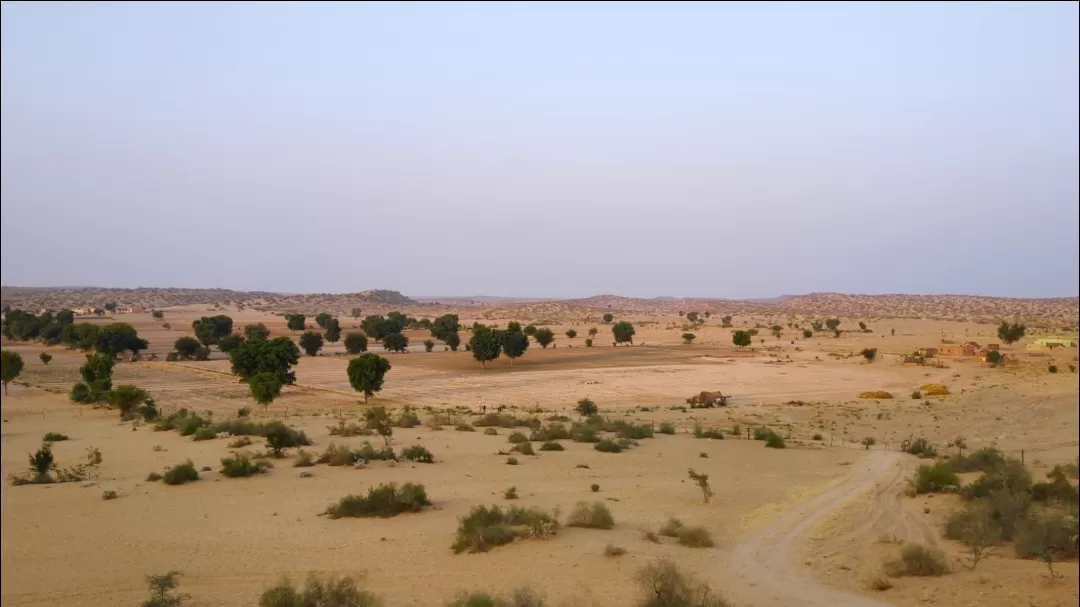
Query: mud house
<point x="928" y="352"/>
<point x="950" y="350"/>
<point x="1056" y="342"/>
<point x="971" y="348"/>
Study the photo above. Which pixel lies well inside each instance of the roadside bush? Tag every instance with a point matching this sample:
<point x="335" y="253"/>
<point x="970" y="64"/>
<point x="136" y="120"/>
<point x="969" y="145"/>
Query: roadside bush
<point x="181" y="473"/>
<point x="695" y="537"/>
<point x="608" y="446"/>
<point x="936" y="478"/>
<point x="419" y="454"/>
<point x="319" y="592"/>
<point x="594" y="516"/>
<point x="487" y="527"/>
<point x="918" y="560"/>
<point x="524" y="448"/>
<point x="663" y="585"/>
<point x="983" y="459"/>
<point x="552" y="446"/>
<point x="241" y="465"/>
<point x="666" y="428"/>
<point x="54" y="437"/>
<point x="383" y="501"/>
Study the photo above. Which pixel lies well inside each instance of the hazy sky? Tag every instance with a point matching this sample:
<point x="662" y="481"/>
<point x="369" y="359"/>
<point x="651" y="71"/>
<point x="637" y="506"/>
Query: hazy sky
<point x="728" y="150"/>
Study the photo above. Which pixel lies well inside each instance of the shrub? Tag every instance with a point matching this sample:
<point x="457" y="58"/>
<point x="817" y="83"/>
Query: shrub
<point x="817" y="436"/>
<point x="608" y="446"/>
<point x="338" y="455"/>
<point x="161" y="590"/>
<point x="418" y="453"/>
<point x="1052" y="368"/>
<point x="524" y="448"/>
<point x="594" y="487"/>
<point x="383" y="501"/>
<point x="554" y="431"/>
<point x="612" y="550"/>
<point x="317" y="592"/>
<point x="700" y="432"/>
<point x="491" y="431"/>
<point x="879" y="394"/>
<point x="595" y="516"/>
<point x="238" y="443"/>
<point x="775" y="441"/>
<point x="918" y="560"/>
<point x="153" y="477"/>
<point x="934" y="389"/>
<point x="280" y="437"/>
<point x="1048" y="533"/>
<point x="466" y="428"/>
<point x="487" y="527"/>
<point x="54" y="437"/>
<point x="984" y="459"/>
<point x="762" y="433"/>
<point x="583" y="433"/>
<point x="932" y="479"/>
<point x="881" y="584"/>
<point x="181" y="473"/>
<point x="663" y="585"/>
<point x="517" y="437"/>
<point x="666" y="428"/>
<point x="109" y="494"/>
<point x="916" y="395"/>
<point x="368" y="453"/>
<point x="241" y="465"/>
<point x="671" y="527"/>
<point x="552" y="446"/>
<point x="205" y="433"/>
<point x="510" y="494"/>
<point x="406" y="419"/>
<point x="511" y="461"/>
<point x="633" y="431"/>
<point x="922" y="448"/>
<point x="522" y="597"/>
<point x="695" y="537"/>
<point x="303" y="459"/>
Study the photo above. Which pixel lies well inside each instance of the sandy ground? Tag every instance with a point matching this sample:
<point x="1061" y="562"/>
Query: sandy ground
<point x="802" y="526"/>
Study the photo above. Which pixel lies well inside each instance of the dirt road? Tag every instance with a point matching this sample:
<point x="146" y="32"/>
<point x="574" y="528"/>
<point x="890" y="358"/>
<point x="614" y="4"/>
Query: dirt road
<point x="763" y="571"/>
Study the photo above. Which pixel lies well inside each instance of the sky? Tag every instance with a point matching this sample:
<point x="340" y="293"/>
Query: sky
<point x="543" y="149"/>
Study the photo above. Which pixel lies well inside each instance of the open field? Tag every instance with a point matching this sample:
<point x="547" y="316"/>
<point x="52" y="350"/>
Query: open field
<point x="795" y="526"/>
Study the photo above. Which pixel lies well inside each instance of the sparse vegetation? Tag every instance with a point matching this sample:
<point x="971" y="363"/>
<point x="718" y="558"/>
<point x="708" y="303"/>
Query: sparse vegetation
<point x="181" y="473"/>
<point x="487" y="527"/>
<point x="590" y="516"/>
<point x="319" y="592"/>
<point x="663" y="585"/>
<point x="383" y="501"/>
<point x="918" y="560"/>
<point x="240" y="465"/>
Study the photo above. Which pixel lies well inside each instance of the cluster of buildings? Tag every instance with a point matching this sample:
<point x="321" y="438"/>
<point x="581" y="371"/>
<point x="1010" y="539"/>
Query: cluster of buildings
<point x="101" y="311"/>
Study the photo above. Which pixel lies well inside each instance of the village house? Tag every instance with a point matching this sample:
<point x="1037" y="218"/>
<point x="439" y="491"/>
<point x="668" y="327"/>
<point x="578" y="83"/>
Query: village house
<point x="928" y="352"/>
<point x="950" y="350"/>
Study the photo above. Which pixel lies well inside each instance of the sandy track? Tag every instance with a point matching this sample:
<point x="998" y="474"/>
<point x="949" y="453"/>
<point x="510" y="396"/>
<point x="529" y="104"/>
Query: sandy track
<point x="762" y="570"/>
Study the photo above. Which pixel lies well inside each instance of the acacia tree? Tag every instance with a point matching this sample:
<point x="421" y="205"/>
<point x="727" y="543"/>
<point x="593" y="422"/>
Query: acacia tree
<point x="593" y="331"/>
<point x="295" y="322"/>
<point x="356" y="312"/>
<point x="514" y="343"/>
<point x="688" y="338"/>
<point x="777" y="331"/>
<point x="367" y="372"/>
<point x="623" y="332"/>
<point x="257" y="331"/>
<point x="544" y="336"/>
<point x="311" y="342"/>
<point x="692" y="317"/>
<point x="322" y="318"/>
<point x="741" y="338"/>
<point x="395" y="342"/>
<point x="571" y="334"/>
<point x="265" y="387"/>
<point x="275" y="356"/>
<point x="45" y="357"/>
<point x="832" y="323"/>
<point x="355" y="343"/>
<point x="333" y="330"/>
<point x="1010" y="333"/>
<point x="869" y="354"/>
<point x="586" y="408"/>
<point x="702" y="481"/>
<point x="11" y="365"/>
<point x="608" y="317"/>
<point x="485" y="344"/>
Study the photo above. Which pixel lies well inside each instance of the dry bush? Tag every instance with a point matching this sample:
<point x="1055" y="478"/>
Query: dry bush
<point x="317" y="592"/>
<point x="524" y="448"/>
<point x="303" y="459"/>
<point x="383" y="501"/>
<point x="934" y="389"/>
<point x="918" y="560"/>
<point x="881" y="584"/>
<point x="613" y="550"/>
<point x="671" y="527"/>
<point x="663" y="585"/>
<point x="595" y="516"/>
<point x="882" y="394"/>
<point x="695" y="537"/>
<point x="521" y="597"/>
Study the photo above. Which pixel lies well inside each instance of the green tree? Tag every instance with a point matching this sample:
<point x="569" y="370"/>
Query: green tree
<point x="832" y="323"/>
<point x="608" y="317"/>
<point x="375" y="327"/>
<point x="444" y="326"/>
<point x="367" y="372"/>
<point x="777" y="331"/>
<point x="355" y="343"/>
<point x="256" y="332"/>
<point x="117" y="337"/>
<point x="275" y="356"/>
<point x="869" y="354"/>
<point x="725" y="321"/>
<point x="66" y="317"/>
<point x="993" y="357"/>
<point x="741" y="338"/>
<point x="692" y="317"/>
<point x="295" y="322"/>
<point x="571" y="334"/>
<point x="210" y="329"/>
<point x="593" y="331"/>
<point x="514" y="344"/>
<point x="586" y="408"/>
<point x="1010" y="333"/>
<point x="623" y="332"/>
<point x="45" y="357"/>
<point x="96" y="375"/>
<point x="807" y="333"/>
<point x="485" y="344"/>
<point x="280" y="437"/>
<point x="356" y="312"/>
<point x="11" y="365"/>
<point x="333" y="330"/>
<point x="126" y="398"/>
<point x="322" y="318"/>
<point x="395" y="342"/>
<point x="529" y="330"/>
<point x="453" y="341"/>
<point x="157" y="314"/>
<point x="429" y="345"/>
<point x="311" y="342"/>
<point x="396" y="322"/>
<point x="862" y="326"/>
<point x="265" y="387"/>
<point x="688" y="338"/>
<point x="544" y="336"/>
<point x="186" y="347"/>
<point x="229" y="342"/>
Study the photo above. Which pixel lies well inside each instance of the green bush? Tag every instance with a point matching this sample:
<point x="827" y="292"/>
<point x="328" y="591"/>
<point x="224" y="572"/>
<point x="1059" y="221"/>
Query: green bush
<point x="554" y="431"/>
<point x="552" y="446"/>
<point x="983" y="459"/>
<point x="594" y="487"/>
<point x="594" y="516"/>
<point x="338" y="455"/>
<point x="317" y="592"/>
<point x="491" y="431"/>
<point x="583" y="433"/>
<point x="383" y="501"/>
<point x="817" y="436"/>
<point x="153" y="477"/>
<point x="522" y="597"/>
<point x="487" y="527"/>
<point x="932" y="479"/>
<point x="241" y="465"/>
<point x="1010" y="475"/>
<point x="466" y="428"/>
<point x="418" y="453"/>
<point x="517" y="437"/>
<point x="510" y="494"/>
<point x="54" y="437"/>
<point x="922" y="448"/>
<point x="632" y="431"/>
<point x="181" y="473"/>
<point x="511" y="461"/>
<point x="608" y="446"/>
<point x="667" y="428"/>
<point x="1050" y="532"/>
<point x="205" y="433"/>
<point x="761" y="433"/>
<point x="775" y="441"/>
<point x="918" y="560"/>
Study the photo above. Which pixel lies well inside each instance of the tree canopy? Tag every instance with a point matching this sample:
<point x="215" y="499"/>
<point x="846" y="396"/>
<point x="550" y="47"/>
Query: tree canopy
<point x="295" y="322"/>
<point x="544" y="336"/>
<point x="742" y="338"/>
<point x="514" y="343"/>
<point x="355" y="343"/>
<point x="265" y="387"/>
<point x="210" y="329"/>
<point x="375" y="326"/>
<point x="1010" y="333"/>
<point x="571" y="334"/>
<point x="186" y="347"/>
<point x="257" y="331"/>
<point x="586" y="408"/>
<point x="275" y="356"/>
<point x="608" y="317"/>
<point x="11" y="365"/>
<point x="322" y="318"/>
<point x="832" y="323"/>
<point x="623" y="332"/>
<point x="114" y="338"/>
<point x="529" y="330"/>
<point x="453" y="341"/>
<point x="333" y="330"/>
<point x="688" y="338"/>
<point x="229" y="342"/>
<point x="96" y="375"/>
<point x="444" y="326"/>
<point x="395" y="342"/>
<point x="311" y="342"/>
<point x="485" y="344"/>
<point x="367" y="372"/>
